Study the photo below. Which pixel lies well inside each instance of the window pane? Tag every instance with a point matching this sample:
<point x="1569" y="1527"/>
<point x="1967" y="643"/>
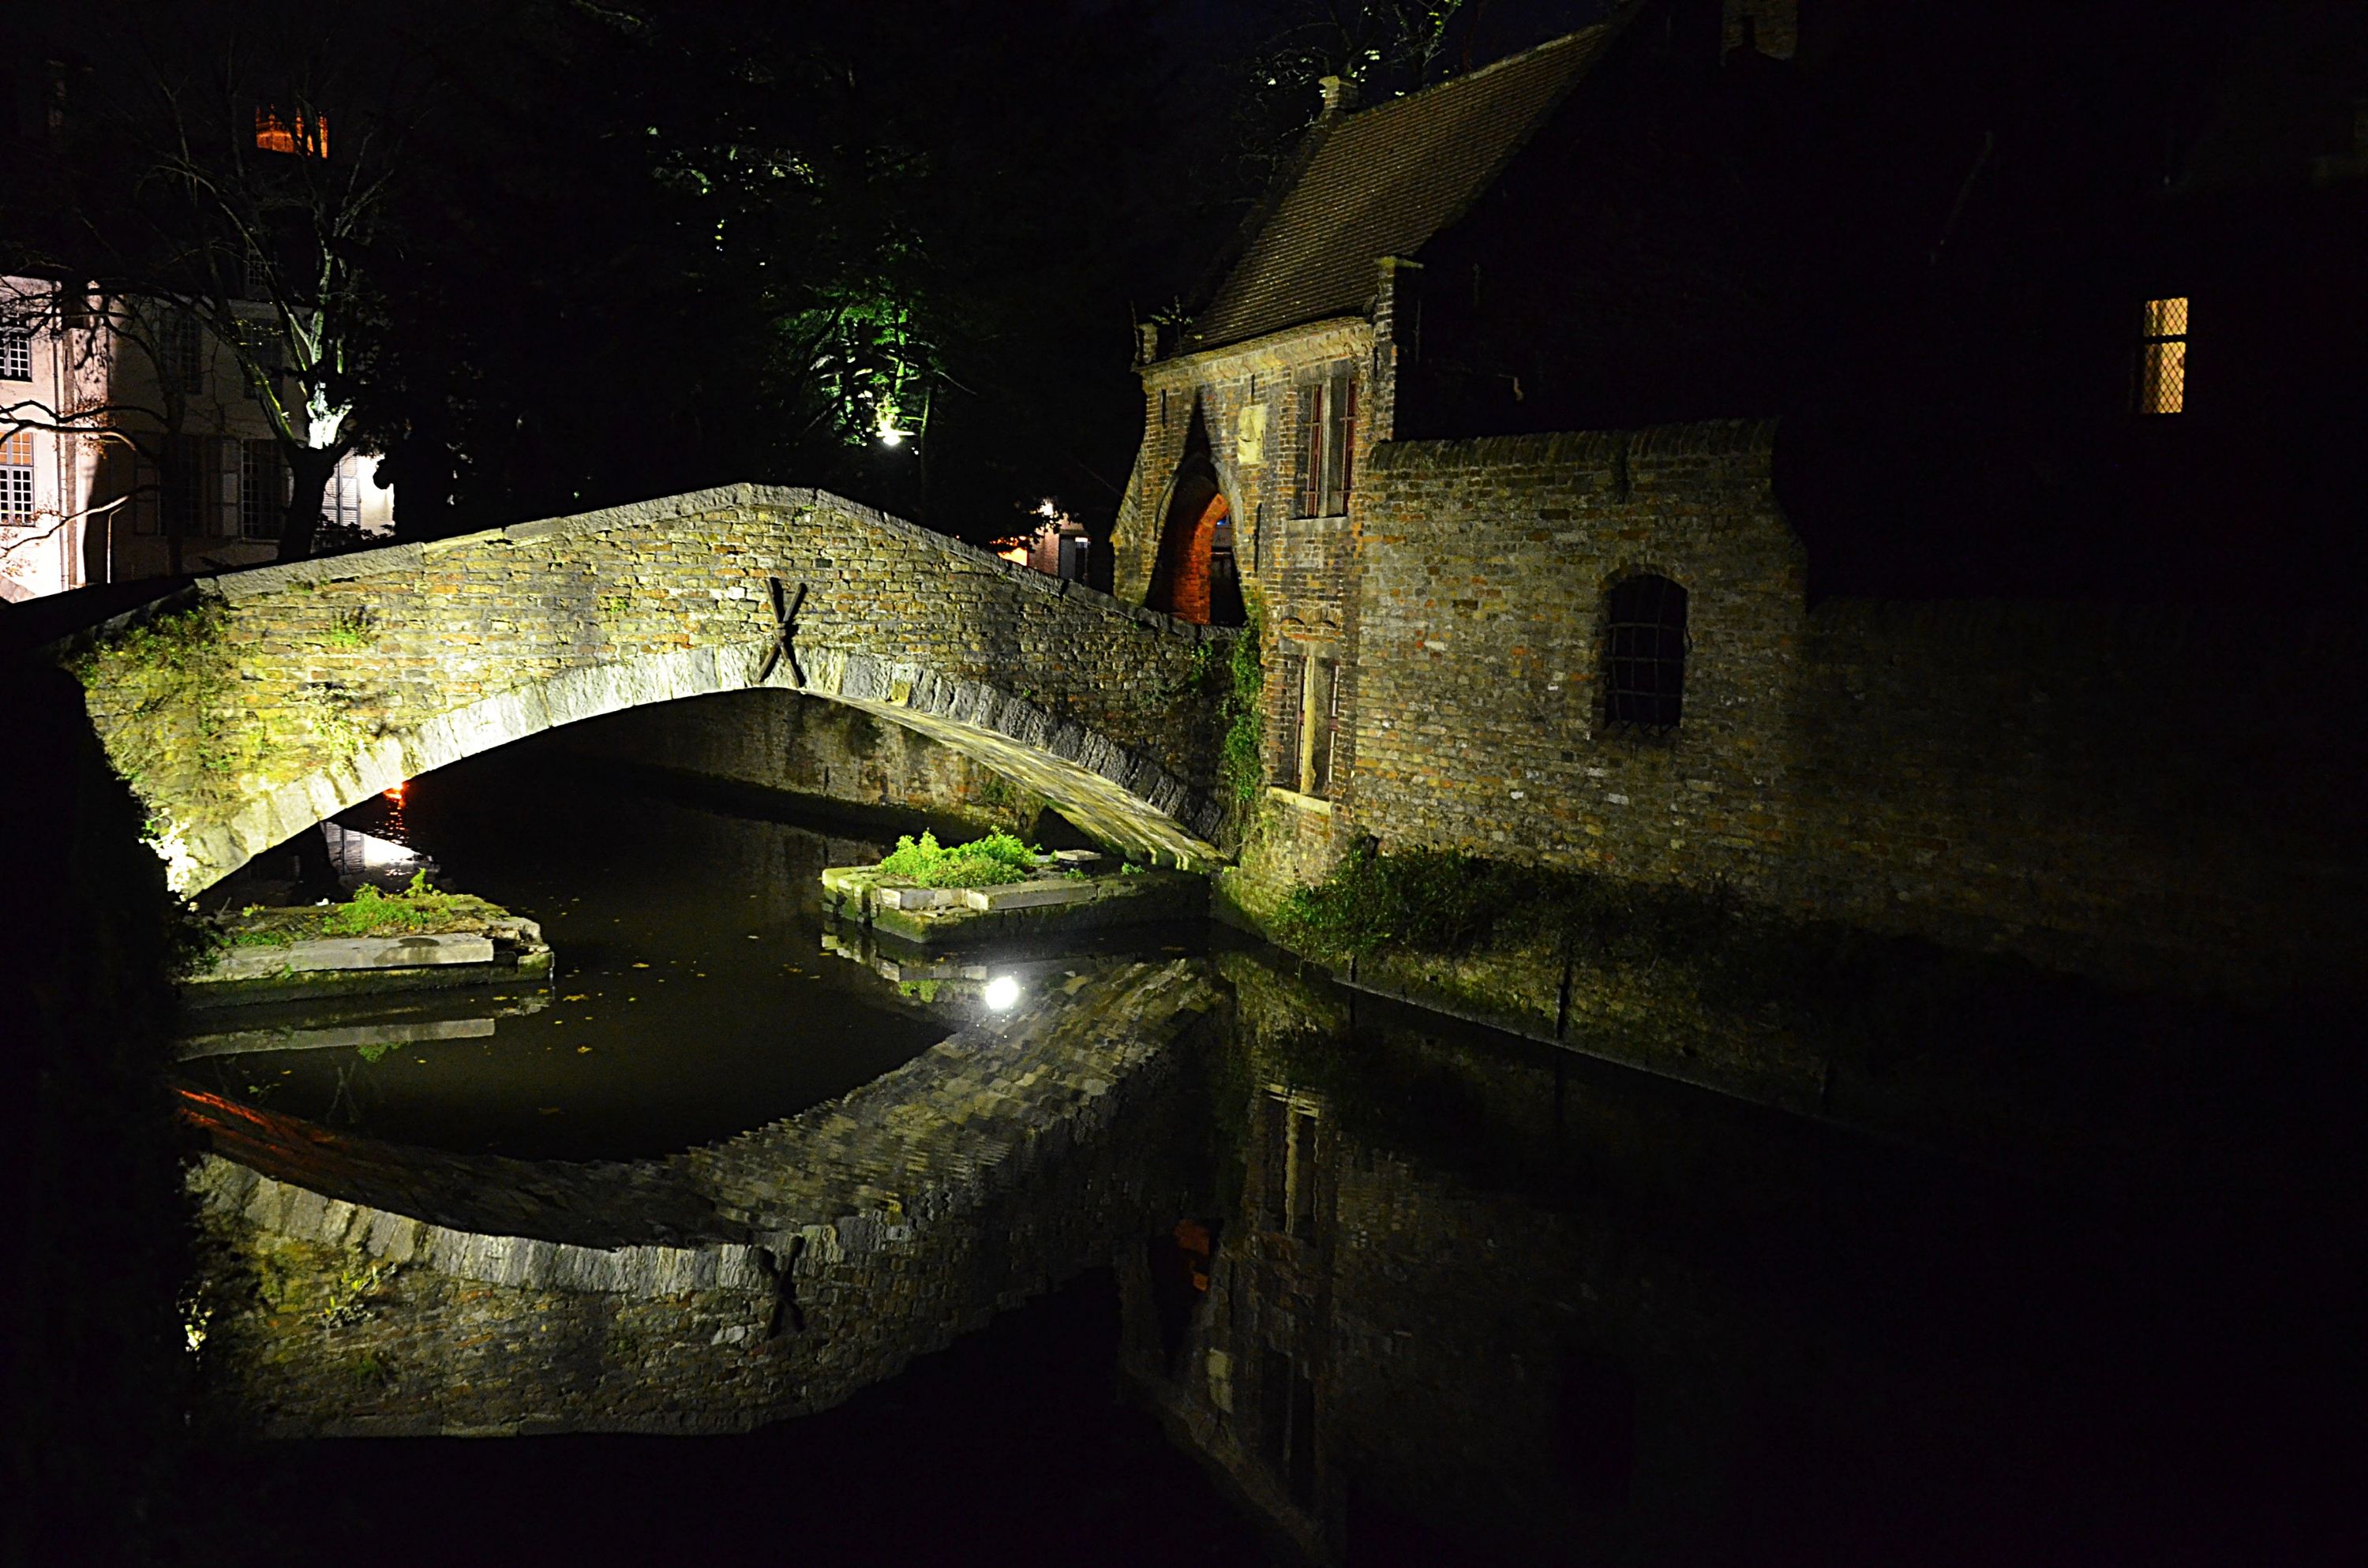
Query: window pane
<point x="2167" y="318"/>
<point x="2162" y="378"/>
<point x="1645" y="653"/>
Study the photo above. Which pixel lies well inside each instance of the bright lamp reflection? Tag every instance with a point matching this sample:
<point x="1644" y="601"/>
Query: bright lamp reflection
<point x="1002" y="992"/>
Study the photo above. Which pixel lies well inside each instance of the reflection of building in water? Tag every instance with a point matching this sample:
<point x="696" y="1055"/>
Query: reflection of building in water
<point x="1245" y="1327"/>
<point x="1471" y="1300"/>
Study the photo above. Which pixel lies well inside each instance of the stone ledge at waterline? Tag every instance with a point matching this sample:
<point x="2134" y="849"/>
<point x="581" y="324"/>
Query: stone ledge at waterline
<point x="946" y="917"/>
<point x="291" y="954"/>
<point x="361" y="1289"/>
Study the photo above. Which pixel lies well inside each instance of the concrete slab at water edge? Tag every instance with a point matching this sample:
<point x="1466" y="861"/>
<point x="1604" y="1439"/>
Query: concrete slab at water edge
<point x="353" y="953"/>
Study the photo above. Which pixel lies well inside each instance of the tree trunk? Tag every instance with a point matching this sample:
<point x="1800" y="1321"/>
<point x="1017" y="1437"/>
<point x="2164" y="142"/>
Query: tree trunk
<point x="308" y="479"/>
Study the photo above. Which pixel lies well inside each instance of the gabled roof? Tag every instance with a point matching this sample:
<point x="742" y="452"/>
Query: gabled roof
<point x="1381" y="182"/>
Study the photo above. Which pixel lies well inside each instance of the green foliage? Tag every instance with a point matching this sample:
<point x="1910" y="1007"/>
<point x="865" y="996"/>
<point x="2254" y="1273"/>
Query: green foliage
<point x="1241" y="756"/>
<point x="984" y="862"/>
<point x="1426" y="901"/>
<point x="371" y="912"/>
<point x="353" y="630"/>
<point x="173" y="676"/>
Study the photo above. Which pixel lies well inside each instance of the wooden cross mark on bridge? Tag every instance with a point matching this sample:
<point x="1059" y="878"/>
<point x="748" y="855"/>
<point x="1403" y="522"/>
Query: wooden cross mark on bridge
<point x="785" y="628"/>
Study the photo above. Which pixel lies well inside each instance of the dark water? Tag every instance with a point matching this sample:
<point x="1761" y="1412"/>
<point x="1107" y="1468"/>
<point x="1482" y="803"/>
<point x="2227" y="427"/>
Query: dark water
<point x="1441" y="1296"/>
<point x="692" y="1000"/>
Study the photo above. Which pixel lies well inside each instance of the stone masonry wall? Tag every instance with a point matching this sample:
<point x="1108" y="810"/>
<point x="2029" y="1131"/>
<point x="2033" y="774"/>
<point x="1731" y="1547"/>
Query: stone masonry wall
<point x="282" y="694"/>
<point x="779" y="740"/>
<point x="358" y="1288"/>
<point x="2060" y="781"/>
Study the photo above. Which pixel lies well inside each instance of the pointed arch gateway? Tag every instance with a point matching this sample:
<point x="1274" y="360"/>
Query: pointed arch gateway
<point x="1195" y="577"/>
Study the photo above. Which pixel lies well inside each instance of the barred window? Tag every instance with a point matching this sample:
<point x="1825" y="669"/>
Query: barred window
<point x="1645" y="653"/>
<point x="16" y="353"/>
<point x="17" y="480"/>
<point x="2162" y="356"/>
<point x="262" y="490"/>
<point x="1327" y="424"/>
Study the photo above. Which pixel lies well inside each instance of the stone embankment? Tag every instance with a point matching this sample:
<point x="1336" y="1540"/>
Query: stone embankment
<point x="362" y="1289"/>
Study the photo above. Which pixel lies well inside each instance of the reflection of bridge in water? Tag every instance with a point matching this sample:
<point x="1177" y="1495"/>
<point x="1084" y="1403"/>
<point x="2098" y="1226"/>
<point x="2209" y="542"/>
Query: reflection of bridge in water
<point x="367" y="1288"/>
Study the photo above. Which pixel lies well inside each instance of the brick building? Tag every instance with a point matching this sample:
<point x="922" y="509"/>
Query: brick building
<point x="1894" y="576"/>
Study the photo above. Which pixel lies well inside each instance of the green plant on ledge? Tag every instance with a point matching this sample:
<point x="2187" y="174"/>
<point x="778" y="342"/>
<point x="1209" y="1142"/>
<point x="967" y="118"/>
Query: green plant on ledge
<point x="984" y="862"/>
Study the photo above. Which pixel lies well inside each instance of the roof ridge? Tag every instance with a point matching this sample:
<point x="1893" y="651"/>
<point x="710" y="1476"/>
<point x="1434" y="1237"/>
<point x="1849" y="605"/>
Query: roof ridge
<point x="1516" y="58"/>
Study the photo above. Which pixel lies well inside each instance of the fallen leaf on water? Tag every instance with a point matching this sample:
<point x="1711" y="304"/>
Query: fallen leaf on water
<point x="582" y="1051"/>
<point x="640" y="966"/>
<point x="547" y="1111"/>
<point x="579" y="997"/>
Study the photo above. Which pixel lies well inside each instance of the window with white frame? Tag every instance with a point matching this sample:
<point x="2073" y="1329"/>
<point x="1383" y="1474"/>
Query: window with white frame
<point x="17" y="480"/>
<point x="15" y="353"/>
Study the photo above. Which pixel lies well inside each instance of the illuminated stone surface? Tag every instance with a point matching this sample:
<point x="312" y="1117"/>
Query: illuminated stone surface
<point x="359" y="1288"/>
<point x="334" y="678"/>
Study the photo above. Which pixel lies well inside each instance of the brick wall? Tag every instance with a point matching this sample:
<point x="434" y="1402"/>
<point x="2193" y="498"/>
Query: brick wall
<point x="2127" y="793"/>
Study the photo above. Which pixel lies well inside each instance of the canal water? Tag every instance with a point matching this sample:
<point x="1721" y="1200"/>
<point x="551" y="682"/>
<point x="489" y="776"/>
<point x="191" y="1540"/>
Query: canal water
<point x="1435" y="1296"/>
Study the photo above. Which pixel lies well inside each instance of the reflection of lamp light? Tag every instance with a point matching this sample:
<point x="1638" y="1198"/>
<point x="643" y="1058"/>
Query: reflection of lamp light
<point x="1002" y="992"/>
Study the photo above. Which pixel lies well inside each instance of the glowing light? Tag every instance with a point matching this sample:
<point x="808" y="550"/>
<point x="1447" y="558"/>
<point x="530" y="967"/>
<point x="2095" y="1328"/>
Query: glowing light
<point x="395" y="794"/>
<point x="1002" y="992"/>
<point x="892" y="437"/>
<point x="1045" y="508"/>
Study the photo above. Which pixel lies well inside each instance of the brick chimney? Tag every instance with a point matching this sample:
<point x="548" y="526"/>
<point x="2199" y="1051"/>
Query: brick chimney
<point x="1340" y="93"/>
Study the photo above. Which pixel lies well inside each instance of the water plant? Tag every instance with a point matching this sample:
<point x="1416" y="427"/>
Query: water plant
<point x="984" y="862"/>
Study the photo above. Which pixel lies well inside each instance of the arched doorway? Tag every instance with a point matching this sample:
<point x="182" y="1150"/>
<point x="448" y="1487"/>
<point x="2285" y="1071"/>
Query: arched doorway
<point x="1195" y="578"/>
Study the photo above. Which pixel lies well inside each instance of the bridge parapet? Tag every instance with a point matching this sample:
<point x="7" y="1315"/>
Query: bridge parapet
<point x="257" y="702"/>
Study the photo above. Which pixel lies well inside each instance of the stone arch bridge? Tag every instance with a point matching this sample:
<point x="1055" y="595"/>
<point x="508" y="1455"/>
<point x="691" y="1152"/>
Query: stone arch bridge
<point x="251" y="705"/>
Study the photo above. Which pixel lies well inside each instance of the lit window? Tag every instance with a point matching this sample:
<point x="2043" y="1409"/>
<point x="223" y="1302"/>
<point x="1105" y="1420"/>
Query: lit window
<point x="16" y="353"/>
<point x="17" y="480"/>
<point x="292" y="133"/>
<point x="1327" y="422"/>
<point x="1645" y="653"/>
<point x="2162" y="356"/>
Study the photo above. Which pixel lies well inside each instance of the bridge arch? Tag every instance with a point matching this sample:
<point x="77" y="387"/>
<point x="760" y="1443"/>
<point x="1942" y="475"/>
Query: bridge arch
<point x="256" y="703"/>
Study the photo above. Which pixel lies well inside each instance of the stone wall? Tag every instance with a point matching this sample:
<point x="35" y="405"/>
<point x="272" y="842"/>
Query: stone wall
<point x="779" y="740"/>
<point x="266" y="700"/>
<point x="2081" y="787"/>
<point x="358" y="1289"/>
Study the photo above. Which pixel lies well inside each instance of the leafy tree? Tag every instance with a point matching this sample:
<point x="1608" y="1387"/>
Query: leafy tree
<point x="233" y="164"/>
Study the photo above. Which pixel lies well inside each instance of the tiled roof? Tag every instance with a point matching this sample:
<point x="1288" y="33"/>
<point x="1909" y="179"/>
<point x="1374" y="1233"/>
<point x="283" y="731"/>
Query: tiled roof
<point x="1382" y="182"/>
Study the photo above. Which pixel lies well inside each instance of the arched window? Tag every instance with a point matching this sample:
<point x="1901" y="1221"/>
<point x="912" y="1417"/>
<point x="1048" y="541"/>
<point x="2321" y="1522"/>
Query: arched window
<point x="1645" y="653"/>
